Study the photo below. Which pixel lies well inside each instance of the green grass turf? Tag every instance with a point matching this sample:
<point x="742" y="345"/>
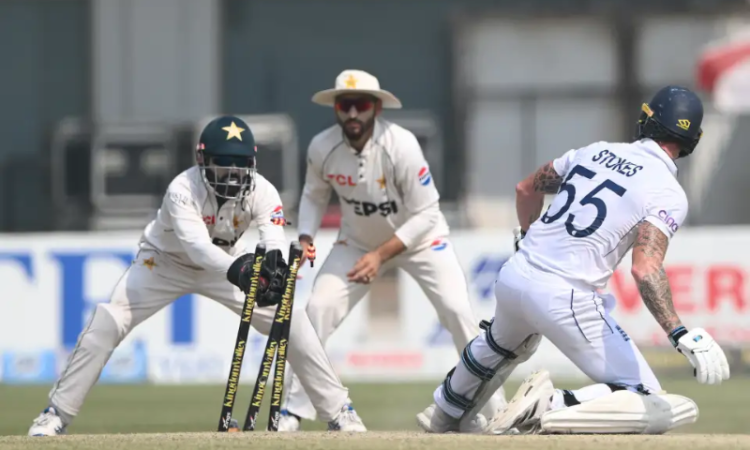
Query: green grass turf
<point x="374" y="440"/>
<point x="385" y="407"/>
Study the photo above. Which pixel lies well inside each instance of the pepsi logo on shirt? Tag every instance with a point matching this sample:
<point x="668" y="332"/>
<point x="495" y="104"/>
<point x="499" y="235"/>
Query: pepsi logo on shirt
<point x="424" y="176"/>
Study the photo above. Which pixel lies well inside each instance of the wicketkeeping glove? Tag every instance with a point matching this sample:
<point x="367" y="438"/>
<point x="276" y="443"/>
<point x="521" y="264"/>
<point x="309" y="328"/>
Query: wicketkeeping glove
<point x="270" y="282"/>
<point x="239" y="272"/>
<point x="709" y="363"/>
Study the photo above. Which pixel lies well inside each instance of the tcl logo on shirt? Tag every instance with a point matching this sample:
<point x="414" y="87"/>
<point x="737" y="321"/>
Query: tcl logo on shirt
<point x="366" y="208"/>
<point x="341" y="180"/>
<point x="209" y="220"/>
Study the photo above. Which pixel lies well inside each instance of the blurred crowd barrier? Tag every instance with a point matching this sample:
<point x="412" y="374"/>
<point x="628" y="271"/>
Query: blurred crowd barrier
<point x="104" y="97"/>
<point x="113" y="175"/>
<point x="52" y="281"/>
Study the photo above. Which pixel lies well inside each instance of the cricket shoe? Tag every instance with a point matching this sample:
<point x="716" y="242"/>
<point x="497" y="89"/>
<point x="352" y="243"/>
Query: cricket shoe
<point x="347" y="420"/>
<point x="47" y="424"/>
<point x="288" y="422"/>
<point x="524" y="412"/>
<point x="435" y="420"/>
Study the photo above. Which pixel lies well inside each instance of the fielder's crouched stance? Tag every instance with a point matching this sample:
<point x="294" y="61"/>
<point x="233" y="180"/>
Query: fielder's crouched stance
<point x="611" y="197"/>
<point x="391" y="217"/>
<point x="190" y="248"/>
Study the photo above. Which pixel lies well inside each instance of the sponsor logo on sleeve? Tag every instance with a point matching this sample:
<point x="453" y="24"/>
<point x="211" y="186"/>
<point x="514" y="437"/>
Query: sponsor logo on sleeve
<point x="277" y="216"/>
<point x="178" y="198"/>
<point x="424" y="176"/>
<point x="669" y="220"/>
<point x="438" y="245"/>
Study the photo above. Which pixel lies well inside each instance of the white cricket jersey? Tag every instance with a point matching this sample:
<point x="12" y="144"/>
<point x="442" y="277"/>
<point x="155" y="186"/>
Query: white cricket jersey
<point x="608" y="190"/>
<point x="385" y="189"/>
<point x="192" y="230"/>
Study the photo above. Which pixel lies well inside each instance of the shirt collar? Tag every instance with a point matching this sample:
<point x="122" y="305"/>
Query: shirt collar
<point x="654" y="149"/>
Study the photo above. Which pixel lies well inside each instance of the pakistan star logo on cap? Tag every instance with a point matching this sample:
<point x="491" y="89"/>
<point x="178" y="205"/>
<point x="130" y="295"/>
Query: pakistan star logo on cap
<point x="351" y="82"/>
<point x="233" y="131"/>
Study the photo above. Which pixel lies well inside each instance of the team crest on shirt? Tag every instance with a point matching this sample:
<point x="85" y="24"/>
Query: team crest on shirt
<point x="438" y="245"/>
<point x="149" y="263"/>
<point x="424" y="176"/>
<point x="277" y="216"/>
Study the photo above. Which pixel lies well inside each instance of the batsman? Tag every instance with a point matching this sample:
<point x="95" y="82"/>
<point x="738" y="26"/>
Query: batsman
<point x="390" y="218"/>
<point x="193" y="246"/>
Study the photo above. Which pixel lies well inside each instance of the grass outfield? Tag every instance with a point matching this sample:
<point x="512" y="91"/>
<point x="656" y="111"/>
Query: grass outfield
<point x="377" y="440"/>
<point x="384" y="407"/>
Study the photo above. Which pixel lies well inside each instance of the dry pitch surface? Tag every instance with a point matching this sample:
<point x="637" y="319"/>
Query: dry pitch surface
<point x="373" y="440"/>
<point x="180" y="417"/>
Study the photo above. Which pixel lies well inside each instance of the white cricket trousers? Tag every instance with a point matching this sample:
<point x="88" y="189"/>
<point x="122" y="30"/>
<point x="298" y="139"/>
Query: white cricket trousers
<point x="146" y="288"/>
<point x="436" y="270"/>
<point x="575" y="319"/>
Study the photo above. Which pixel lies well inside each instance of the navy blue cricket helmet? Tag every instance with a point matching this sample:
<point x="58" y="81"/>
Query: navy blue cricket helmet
<point x="674" y="114"/>
<point x="226" y="156"/>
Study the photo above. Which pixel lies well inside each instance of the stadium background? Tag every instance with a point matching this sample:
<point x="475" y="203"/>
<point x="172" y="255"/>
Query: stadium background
<point x="101" y="101"/>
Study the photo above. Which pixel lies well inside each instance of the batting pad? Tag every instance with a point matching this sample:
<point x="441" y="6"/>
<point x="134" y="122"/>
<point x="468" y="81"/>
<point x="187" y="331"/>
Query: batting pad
<point x="502" y="371"/>
<point x="622" y="412"/>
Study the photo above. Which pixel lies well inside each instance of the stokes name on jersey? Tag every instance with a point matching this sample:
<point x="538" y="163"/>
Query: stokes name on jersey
<point x="608" y="189"/>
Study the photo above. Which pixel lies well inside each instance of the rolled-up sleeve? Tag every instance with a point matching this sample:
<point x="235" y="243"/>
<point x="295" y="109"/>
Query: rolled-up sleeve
<point x="420" y="196"/>
<point x="667" y="209"/>
<point x="315" y="195"/>
<point x="268" y="214"/>
<point x="413" y="230"/>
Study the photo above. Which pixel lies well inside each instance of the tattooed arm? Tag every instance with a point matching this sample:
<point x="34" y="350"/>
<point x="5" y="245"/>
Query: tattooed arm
<point x="648" y="254"/>
<point x="530" y="194"/>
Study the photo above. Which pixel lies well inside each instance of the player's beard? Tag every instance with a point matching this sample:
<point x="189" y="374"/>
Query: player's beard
<point x="232" y="185"/>
<point x="356" y="129"/>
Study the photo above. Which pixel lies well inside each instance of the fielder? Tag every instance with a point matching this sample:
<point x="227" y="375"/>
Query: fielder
<point x="192" y="246"/>
<point x="390" y="218"/>
<point x="611" y="197"/>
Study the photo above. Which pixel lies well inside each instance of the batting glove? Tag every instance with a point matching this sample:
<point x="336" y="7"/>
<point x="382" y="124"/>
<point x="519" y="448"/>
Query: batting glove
<point x="709" y="362"/>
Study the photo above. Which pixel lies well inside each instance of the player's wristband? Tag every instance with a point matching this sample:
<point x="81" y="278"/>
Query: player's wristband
<point x="676" y="334"/>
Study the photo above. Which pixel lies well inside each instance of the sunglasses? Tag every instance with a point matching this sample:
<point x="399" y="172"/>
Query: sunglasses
<point x="229" y="161"/>
<point x="360" y="104"/>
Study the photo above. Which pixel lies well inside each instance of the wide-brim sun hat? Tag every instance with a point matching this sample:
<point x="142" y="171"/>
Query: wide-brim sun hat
<point x="356" y="82"/>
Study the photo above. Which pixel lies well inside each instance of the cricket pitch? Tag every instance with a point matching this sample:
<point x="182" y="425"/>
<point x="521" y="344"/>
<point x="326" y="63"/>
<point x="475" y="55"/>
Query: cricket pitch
<point x="315" y="440"/>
